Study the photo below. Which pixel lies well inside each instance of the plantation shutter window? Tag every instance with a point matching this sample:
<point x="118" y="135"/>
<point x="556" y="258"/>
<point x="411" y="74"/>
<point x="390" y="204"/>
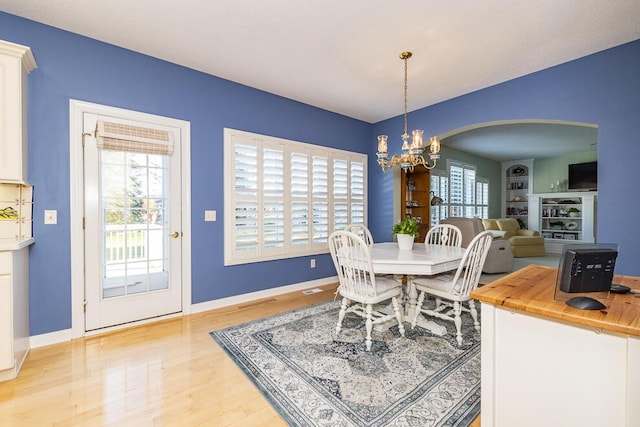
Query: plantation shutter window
<point x="440" y="187"/>
<point x="273" y="200"/>
<point x="340" y="194"/>
<point x="283" y="198"/>
<point x="300" y="201"/>
<point x="320" y="195"/>
<point x="246" y="198"/>
<point x="356" y="187"/>
<point x="482" y="198"/>
<point x="464" y="194"/>
<point x="135" y="139"/>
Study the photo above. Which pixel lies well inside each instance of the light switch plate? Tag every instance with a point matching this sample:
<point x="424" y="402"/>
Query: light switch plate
<point x="209" y="215"/>
<point x="51" y="217"/>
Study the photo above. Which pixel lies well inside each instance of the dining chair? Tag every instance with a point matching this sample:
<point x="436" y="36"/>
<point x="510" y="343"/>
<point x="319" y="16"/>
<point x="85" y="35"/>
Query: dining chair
<point x="362" y="231"/>
<point x="359" y="287"/>
<point x="452" y="289"/>
<point x="444" y="234"/>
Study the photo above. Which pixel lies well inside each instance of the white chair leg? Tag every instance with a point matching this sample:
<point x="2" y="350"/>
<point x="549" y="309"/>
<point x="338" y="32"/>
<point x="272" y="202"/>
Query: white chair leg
<point x="457" y="310"/>
<point x="343" y="311"/>
<point x="438" y="302"/>
<point x="396" y="308"/>
<point x="417" y="310"/>
<point x="369" y="326"/>
<point x="474" y="314"/>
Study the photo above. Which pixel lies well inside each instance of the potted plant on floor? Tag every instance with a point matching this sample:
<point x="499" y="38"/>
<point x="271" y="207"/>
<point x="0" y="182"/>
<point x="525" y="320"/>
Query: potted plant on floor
<point x="406" y="231"/>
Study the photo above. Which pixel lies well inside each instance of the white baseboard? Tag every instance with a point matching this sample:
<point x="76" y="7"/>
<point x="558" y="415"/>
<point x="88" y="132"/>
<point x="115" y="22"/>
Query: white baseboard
<point x="56" y="337"/>
<point x="244" y="298"/>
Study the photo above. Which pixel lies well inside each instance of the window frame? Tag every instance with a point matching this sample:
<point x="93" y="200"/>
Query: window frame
<point x="351" y="207"/>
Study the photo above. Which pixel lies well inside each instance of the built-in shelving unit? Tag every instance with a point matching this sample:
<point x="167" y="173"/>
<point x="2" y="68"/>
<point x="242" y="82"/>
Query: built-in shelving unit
<point x="416" y="198"/>
<point x="564" y="218"/>
<point x="517" y="179"/>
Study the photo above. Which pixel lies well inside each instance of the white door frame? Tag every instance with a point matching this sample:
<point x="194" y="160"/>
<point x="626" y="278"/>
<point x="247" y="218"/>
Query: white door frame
<point x="76" y="161"/>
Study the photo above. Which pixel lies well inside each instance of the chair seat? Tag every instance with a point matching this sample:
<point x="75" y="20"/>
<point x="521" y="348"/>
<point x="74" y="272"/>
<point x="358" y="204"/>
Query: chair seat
<point x="385" y="288"/>
<point x="441" y="283"/>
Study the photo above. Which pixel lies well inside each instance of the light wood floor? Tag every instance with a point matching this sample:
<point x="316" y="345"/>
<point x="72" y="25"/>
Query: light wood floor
<point x="169" y="373"/>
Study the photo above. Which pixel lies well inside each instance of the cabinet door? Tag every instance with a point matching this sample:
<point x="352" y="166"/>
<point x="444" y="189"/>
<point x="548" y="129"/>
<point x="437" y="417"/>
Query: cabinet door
<point x="6" y="323"/>
<point x="16" y="62"/>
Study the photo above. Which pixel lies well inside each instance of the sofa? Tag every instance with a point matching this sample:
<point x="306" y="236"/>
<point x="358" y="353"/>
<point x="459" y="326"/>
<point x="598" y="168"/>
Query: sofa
<point x="499" y="259"/>
<point x="524" y="243"/>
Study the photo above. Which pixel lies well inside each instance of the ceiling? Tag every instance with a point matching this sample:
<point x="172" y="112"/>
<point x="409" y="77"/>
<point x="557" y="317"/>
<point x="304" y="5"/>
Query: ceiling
<point x="531" y="139"/>
<point x="343" y="56"/>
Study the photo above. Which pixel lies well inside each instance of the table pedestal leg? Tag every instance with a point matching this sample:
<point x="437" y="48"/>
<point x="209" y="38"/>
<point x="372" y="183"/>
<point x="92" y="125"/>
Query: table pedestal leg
<point x="410" y="310"/>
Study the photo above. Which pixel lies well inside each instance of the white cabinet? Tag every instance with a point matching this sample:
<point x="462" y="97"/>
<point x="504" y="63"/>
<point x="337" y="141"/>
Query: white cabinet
<point x="517" y="178"/>
<point x="564" y="218"/>
<point x="538" y="371"/>
<point x="16" y="62"/>
<point x="14" y="311"/>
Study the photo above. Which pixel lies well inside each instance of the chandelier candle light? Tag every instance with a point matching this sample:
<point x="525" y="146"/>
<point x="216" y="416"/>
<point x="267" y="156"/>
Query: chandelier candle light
<point x="412" y="155"/>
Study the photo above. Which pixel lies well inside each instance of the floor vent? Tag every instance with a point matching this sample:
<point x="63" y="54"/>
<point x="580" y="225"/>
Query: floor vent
<point x="312" y="291"/>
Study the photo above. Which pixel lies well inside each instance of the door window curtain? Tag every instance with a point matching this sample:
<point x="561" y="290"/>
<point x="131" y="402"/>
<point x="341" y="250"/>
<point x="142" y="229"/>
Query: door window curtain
<point x="135" y="139"/>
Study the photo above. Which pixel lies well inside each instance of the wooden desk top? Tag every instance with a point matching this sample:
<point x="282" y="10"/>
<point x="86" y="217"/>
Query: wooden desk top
<point x="532" y="288"/>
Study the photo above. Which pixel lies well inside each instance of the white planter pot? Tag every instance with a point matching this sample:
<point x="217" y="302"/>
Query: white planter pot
<point x="405" y="242"/>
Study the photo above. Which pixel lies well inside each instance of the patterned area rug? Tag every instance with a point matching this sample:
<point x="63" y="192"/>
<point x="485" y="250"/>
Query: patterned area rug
<point x="315" y="378"/>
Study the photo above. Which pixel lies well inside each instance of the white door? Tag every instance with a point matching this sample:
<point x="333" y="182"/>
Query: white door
<point x="132" y="203"/>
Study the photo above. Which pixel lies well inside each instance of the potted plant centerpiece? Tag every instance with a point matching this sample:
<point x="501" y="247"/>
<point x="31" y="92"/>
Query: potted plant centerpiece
<point x="573" y="212"/>
<point x="406" y="231"/>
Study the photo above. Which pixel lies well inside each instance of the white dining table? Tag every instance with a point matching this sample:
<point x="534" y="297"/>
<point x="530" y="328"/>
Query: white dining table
<point x="422" y="260"/>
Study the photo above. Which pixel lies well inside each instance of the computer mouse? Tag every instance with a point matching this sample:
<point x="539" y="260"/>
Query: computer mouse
<point x="585" y="303"/>
<point x="619" y="289"/>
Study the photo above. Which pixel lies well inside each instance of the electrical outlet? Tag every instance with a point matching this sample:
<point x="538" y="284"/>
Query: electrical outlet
<point x="50" y="217"/>
<point x="209" y="215"/>
<point x="313" y="263"/>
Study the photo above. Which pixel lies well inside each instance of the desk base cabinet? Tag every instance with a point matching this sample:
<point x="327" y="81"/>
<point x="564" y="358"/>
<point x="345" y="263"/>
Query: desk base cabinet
<point x="14" y="311"/>
<point x="538" y="371"/>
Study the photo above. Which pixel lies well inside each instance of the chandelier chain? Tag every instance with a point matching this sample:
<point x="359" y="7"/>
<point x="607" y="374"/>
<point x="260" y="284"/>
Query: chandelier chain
<point x="405" y="96"/>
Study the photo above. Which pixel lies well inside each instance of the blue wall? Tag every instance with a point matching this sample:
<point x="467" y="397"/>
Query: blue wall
<point x="74" y="67"/>
<point x="603" y="88"/>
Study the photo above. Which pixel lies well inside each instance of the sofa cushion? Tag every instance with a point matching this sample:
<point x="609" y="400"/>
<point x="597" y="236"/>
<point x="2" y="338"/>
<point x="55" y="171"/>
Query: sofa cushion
<point x="509" y="225"/>
<point x="490" y="224"/>
<point x="526" y="241"/>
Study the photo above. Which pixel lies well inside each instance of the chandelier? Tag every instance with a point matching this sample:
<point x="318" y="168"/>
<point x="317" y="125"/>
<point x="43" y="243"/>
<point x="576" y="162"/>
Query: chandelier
<point x="411" y="154"/>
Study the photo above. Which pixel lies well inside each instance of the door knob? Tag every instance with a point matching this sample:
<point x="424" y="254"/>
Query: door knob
<point x="174" y="235"/>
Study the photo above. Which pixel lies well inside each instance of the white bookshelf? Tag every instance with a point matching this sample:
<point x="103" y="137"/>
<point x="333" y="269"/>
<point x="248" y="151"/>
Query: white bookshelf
<point x="554" y="216"/>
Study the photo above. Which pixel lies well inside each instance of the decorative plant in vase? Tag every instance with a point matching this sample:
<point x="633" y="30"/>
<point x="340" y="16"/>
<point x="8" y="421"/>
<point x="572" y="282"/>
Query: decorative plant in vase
<point x="406" y="231"/>
<point x="573" y="212"/>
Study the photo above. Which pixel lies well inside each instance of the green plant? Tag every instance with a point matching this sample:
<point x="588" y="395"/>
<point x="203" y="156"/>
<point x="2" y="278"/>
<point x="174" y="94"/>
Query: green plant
<point x="576" y="210"/>
<point x="406" y="226"/>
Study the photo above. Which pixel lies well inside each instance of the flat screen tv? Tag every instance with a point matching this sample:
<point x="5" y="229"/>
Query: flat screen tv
<point x="583" y="176"/>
